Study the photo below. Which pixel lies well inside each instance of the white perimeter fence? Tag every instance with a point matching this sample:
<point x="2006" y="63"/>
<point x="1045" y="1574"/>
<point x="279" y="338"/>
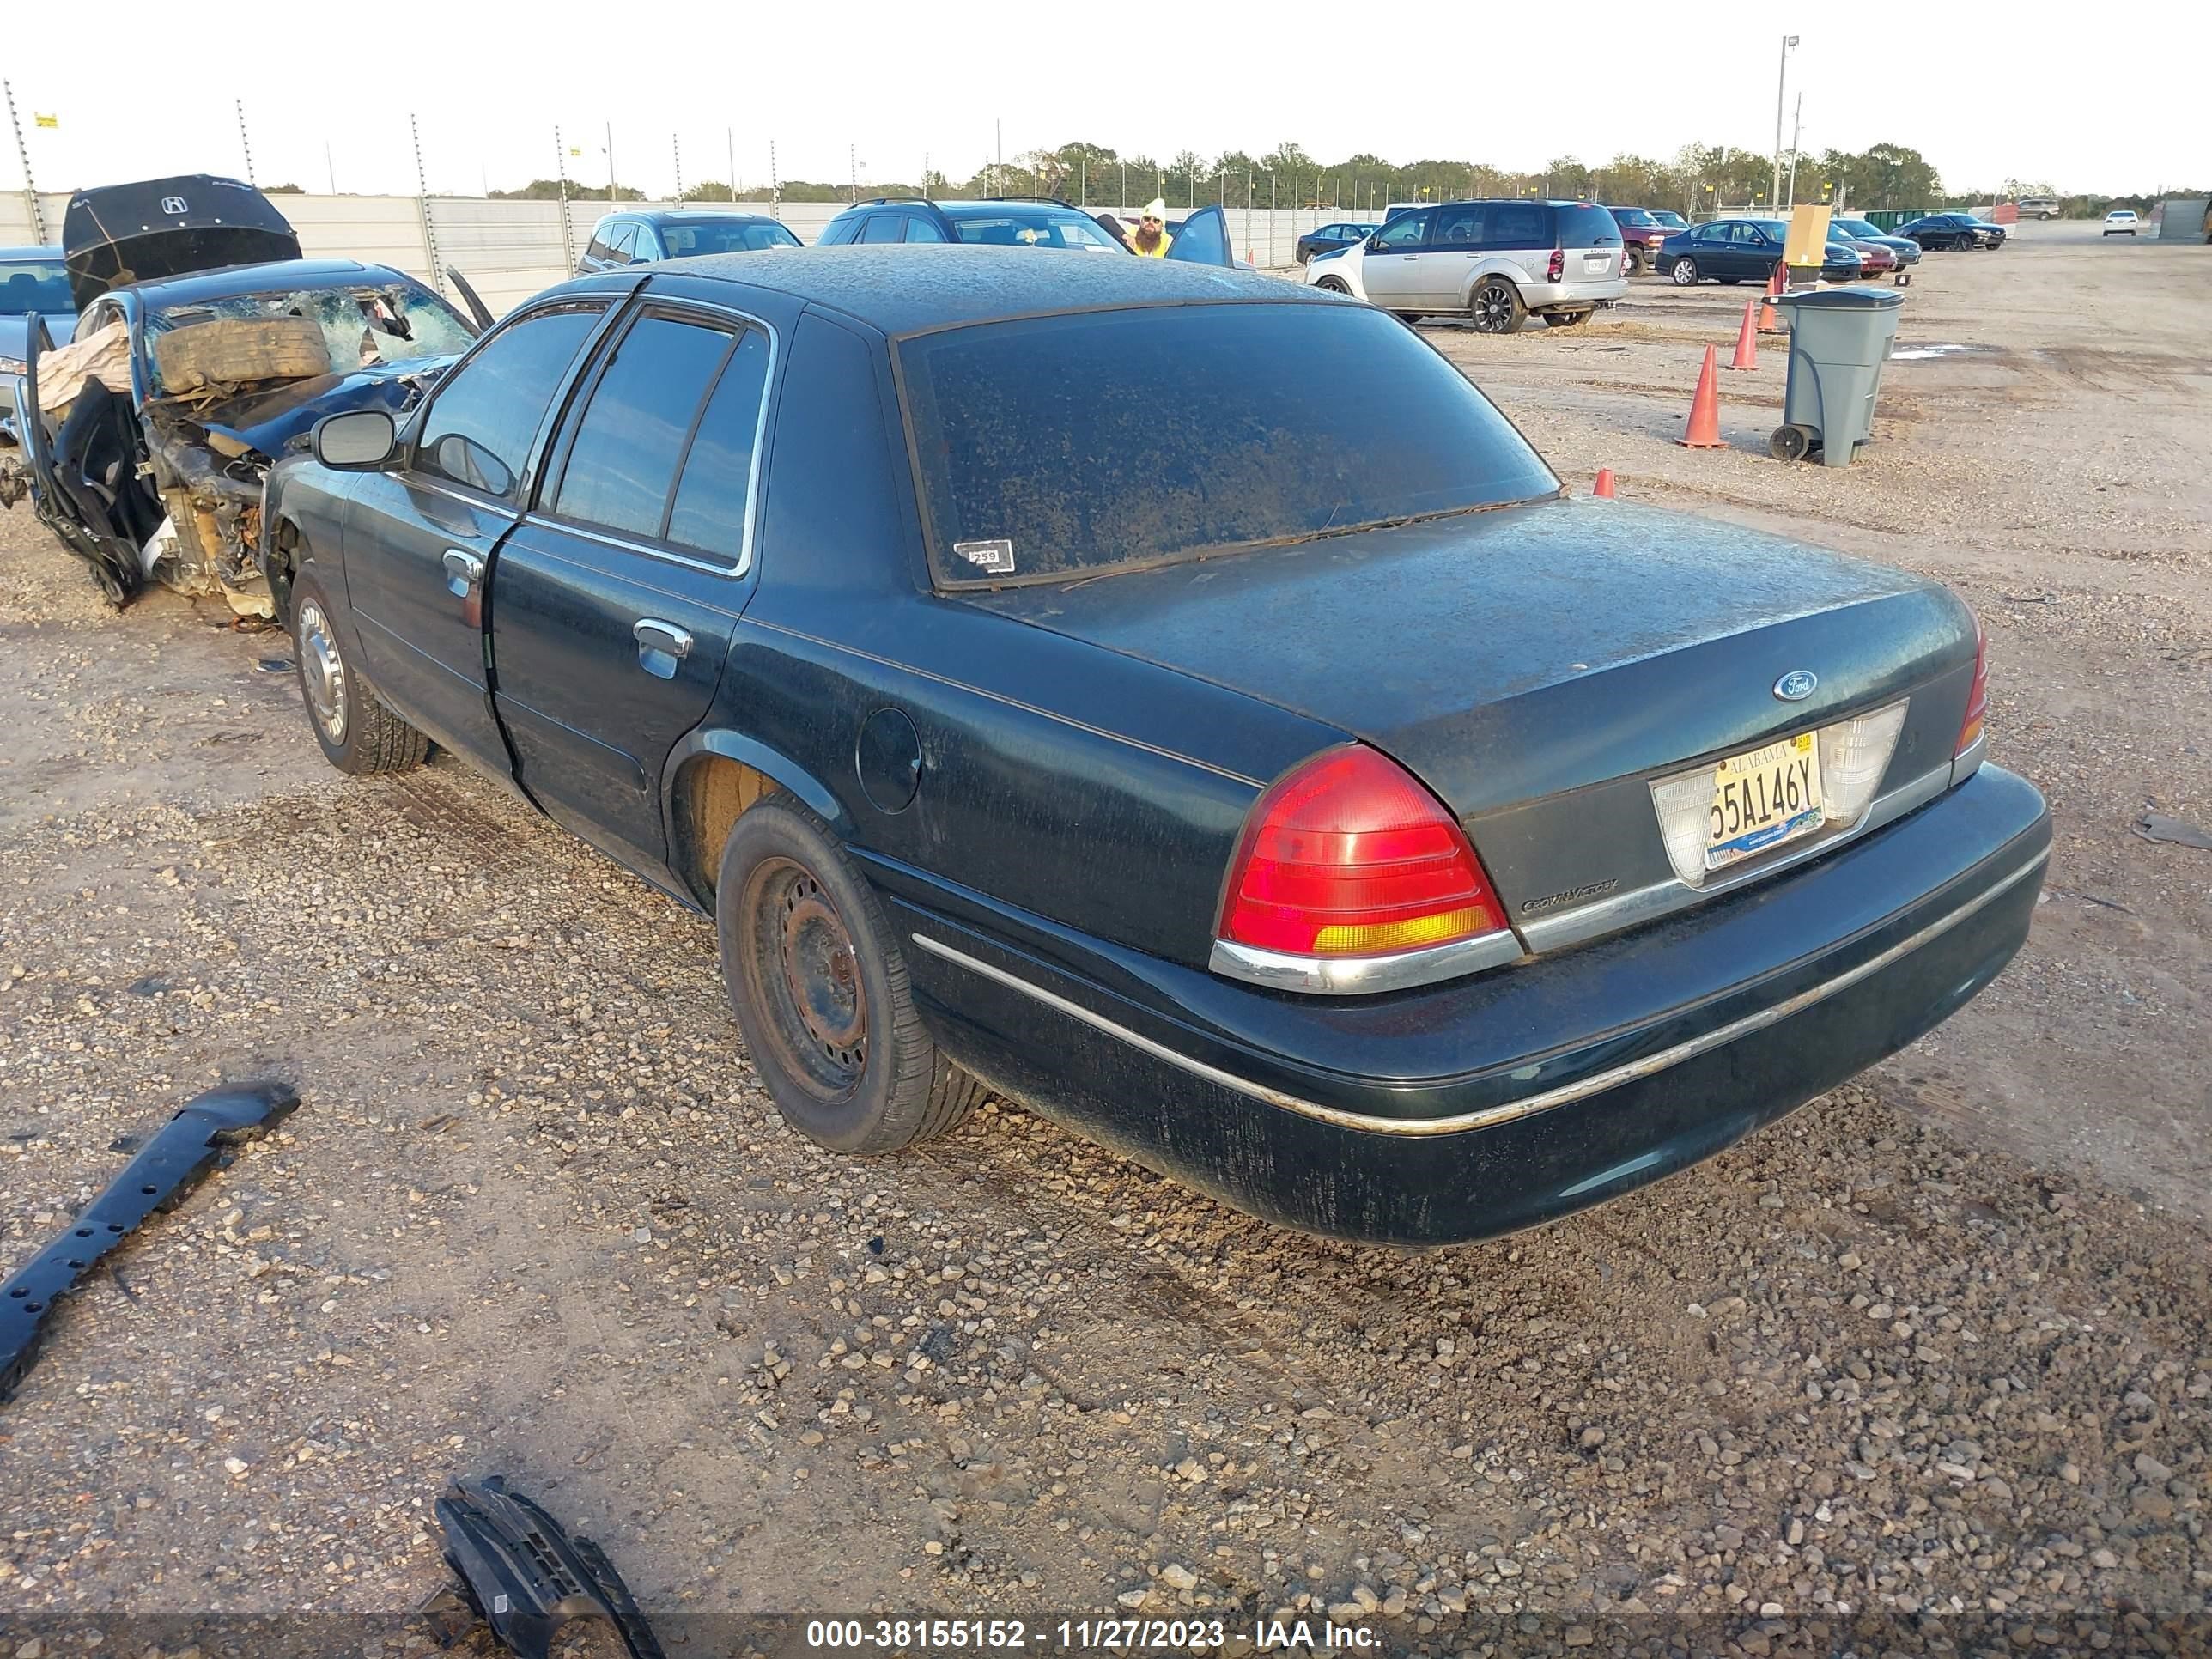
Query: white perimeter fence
<point x="509" y="250"/>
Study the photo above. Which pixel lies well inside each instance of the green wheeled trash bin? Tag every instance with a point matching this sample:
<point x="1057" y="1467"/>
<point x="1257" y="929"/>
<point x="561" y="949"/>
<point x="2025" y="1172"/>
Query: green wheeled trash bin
<point x="1839" y="337"/>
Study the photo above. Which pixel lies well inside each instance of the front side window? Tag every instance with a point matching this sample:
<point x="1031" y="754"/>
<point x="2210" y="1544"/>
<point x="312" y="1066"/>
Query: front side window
<point x="1457" y="227"/>
<point x="884" y="227"/>
<point x="479" y="429"/>
<point x="622" y="459"/>
<point x="1403" y="233"/>
<point x="1047" y="451"/>
<point x="922" y="229"/>
<point x="622" y="246"/>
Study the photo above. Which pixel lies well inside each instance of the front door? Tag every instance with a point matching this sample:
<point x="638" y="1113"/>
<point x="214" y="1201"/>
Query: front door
<point x="616" y="599"/>
<point x="1204" y="240"/>
<point x="1389" y="270"/>
<point x="420" y="538"/>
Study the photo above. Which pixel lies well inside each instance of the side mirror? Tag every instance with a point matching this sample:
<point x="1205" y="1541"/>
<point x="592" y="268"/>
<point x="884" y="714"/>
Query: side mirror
<point x="359" y="440"/>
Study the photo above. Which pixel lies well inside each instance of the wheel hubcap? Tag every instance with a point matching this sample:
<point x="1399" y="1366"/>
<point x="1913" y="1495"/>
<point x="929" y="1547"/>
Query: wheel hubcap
<point x="809" y="976"/>
<point x="322" y="670"/>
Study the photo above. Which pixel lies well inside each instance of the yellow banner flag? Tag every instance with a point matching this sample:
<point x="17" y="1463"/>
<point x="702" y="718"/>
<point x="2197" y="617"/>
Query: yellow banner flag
<point x="38" y="119"/>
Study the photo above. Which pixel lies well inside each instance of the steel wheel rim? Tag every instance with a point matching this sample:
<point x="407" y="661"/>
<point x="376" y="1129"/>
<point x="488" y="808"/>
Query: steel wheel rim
<point x="322" y="672"/>
<point x="807" y="975"/>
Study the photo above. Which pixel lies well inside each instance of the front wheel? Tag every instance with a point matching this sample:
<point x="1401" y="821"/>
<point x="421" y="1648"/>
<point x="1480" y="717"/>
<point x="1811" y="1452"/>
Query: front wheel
<point x="1333" y="285"/>
<point x="1495" y="307"/>
<point x="1685" y="272"/>
<point x="357" y="729"/>
<point x="816" y="979"/>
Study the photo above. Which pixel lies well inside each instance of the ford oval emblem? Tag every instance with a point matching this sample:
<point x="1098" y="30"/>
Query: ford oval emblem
<point x="1797" y="685"/>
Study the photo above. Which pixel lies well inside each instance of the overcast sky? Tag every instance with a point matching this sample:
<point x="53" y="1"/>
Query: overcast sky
<point x="1985" y="91"/>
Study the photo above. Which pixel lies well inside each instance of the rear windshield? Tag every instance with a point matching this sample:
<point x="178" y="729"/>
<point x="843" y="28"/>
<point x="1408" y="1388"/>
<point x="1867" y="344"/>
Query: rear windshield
<point x="1075" y="445"/>
<point x="1033" y="230"/>
<point x="1636" y="216"/>
<point x="1588" y="226"/>
<point x="686" y="237"/>
<point x="40" y="287"/>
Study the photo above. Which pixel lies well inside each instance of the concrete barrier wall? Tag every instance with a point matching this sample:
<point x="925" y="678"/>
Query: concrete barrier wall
<point x="510" y="250"/>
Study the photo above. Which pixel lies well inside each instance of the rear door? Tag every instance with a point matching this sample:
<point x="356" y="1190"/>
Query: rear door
<point x="1591" y="237"/>
<point x="1517" y="239"/>
<point x="614" y="601"/>
<point x="1390" y="269"/>
<point x="419" y="539"/>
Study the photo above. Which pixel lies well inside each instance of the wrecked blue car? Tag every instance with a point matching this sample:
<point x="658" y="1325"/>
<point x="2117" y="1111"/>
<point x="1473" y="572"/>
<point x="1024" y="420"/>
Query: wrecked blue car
<point x="205" y="348"/>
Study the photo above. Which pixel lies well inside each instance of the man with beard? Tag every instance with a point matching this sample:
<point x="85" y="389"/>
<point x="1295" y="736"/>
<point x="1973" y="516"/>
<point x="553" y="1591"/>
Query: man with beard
<point x="1151" y="240"/>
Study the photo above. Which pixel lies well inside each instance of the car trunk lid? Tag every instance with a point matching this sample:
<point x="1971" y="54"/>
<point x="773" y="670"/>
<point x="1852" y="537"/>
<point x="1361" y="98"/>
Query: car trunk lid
<point x="158" y="227"/>
<point x="1538" y="666"/>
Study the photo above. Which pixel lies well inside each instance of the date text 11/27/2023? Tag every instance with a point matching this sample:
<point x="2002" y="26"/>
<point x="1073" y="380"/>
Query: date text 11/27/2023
<point x="1082" y="1635"/>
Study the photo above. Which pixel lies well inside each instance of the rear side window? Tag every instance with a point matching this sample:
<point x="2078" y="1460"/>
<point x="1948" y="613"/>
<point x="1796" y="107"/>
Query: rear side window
<point x="479" y="430"/>
<point x="622" y="460"/>
<point x="918" y="230"/>
<point x="1519" y="224"/>
<point x="714" y="498"/>
<point x="1046" y="448"/>
<point x="1587" y="227"/>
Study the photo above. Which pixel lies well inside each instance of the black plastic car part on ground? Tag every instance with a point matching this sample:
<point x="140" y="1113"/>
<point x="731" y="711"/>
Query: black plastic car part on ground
<point x="171" y="1161"/>
<point x="1037" y="740"/>
<point x="524" y="1577"/>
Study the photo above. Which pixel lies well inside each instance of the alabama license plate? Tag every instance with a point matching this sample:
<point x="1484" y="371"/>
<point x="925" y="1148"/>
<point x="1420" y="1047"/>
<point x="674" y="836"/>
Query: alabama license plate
<point x="1763" y="799"/>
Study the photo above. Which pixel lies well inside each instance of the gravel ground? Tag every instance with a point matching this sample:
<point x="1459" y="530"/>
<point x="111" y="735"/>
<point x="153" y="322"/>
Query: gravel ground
<point x="1932" y="1348"/>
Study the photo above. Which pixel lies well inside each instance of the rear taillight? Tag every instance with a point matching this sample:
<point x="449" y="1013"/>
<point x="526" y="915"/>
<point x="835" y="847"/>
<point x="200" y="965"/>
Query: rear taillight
<point x="1978" y="698"/>
<point x="1624" y="261"/>
<point x="1558" y="267"/>
<point x="1349" y="857"/>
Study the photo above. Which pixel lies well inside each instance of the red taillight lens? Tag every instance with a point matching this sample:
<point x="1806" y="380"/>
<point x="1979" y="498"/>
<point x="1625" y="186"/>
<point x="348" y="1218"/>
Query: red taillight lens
<point x="1558" y="267"/>
<point x="1978" y="698"/>
<point x="1350" y="856"/>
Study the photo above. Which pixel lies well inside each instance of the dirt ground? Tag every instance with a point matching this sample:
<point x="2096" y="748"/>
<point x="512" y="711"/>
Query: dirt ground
<point x="1935" y="1346"/>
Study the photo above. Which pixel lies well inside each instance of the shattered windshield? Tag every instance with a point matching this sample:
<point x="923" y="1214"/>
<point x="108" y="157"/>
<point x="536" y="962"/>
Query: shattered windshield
<point x="362" y="327"/>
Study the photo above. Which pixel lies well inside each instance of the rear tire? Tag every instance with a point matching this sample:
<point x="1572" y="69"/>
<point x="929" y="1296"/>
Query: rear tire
<point x="1565" y="318"/>
<point x="358" y="731"/>
<point x="815" y="978"/>
<point x="1685" y="272"/>
<point x="1495" y="307"/>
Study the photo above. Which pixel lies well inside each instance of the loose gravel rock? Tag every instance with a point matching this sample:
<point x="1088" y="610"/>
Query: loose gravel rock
<point x="536" y="1215"/>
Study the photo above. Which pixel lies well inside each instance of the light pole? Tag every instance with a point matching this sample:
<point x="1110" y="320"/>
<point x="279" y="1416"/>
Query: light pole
<point x="1781" y="78"/>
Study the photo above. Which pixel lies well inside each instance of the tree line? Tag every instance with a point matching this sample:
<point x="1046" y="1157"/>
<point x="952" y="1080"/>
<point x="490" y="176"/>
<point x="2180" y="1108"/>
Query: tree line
<point x="1699" y="180"/>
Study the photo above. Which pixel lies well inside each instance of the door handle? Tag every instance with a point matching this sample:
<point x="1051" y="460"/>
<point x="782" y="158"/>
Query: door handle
<point x="464" y="570"/>
<point x="661" y="645"/>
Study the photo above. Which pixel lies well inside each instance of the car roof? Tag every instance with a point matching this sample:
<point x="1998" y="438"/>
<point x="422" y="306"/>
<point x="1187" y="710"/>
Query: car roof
<point x="23" y="255"/>
<point x="703" y="211"/>
<point x="202" y="287"/>
<point x="908" y="289"/>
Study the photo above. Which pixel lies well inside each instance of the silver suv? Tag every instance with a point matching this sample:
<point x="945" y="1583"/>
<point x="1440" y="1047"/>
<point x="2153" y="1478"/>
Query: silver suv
<point x="1496" y="262"/>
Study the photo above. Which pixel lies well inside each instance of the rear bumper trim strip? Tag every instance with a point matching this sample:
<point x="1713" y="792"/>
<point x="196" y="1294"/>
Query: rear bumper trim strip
<point x="1544" y="1100"/>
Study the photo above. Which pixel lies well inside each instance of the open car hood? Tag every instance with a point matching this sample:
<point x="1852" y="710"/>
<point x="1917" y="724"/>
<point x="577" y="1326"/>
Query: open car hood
<point x="123" y="233"/>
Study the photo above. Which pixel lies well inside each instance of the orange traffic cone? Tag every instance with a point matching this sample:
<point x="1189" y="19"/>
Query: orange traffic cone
<point x="1603" y="487"/>
<point x="1778" y="285"/>
<point x="1746" y="339"/>
<point x="1704" y="430"/>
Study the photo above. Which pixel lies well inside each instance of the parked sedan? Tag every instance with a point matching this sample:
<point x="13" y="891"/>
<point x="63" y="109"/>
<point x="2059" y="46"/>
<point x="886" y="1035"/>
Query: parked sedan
<point x="1744" y="250"/>
<point x="639" y="236"/>
<point x="1327" y="239"/>
<point x="993" y="726"/>
<point x="1951" y="230"/>
<point x="1864" y="233"/>
<point x="2122" y="222"/>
